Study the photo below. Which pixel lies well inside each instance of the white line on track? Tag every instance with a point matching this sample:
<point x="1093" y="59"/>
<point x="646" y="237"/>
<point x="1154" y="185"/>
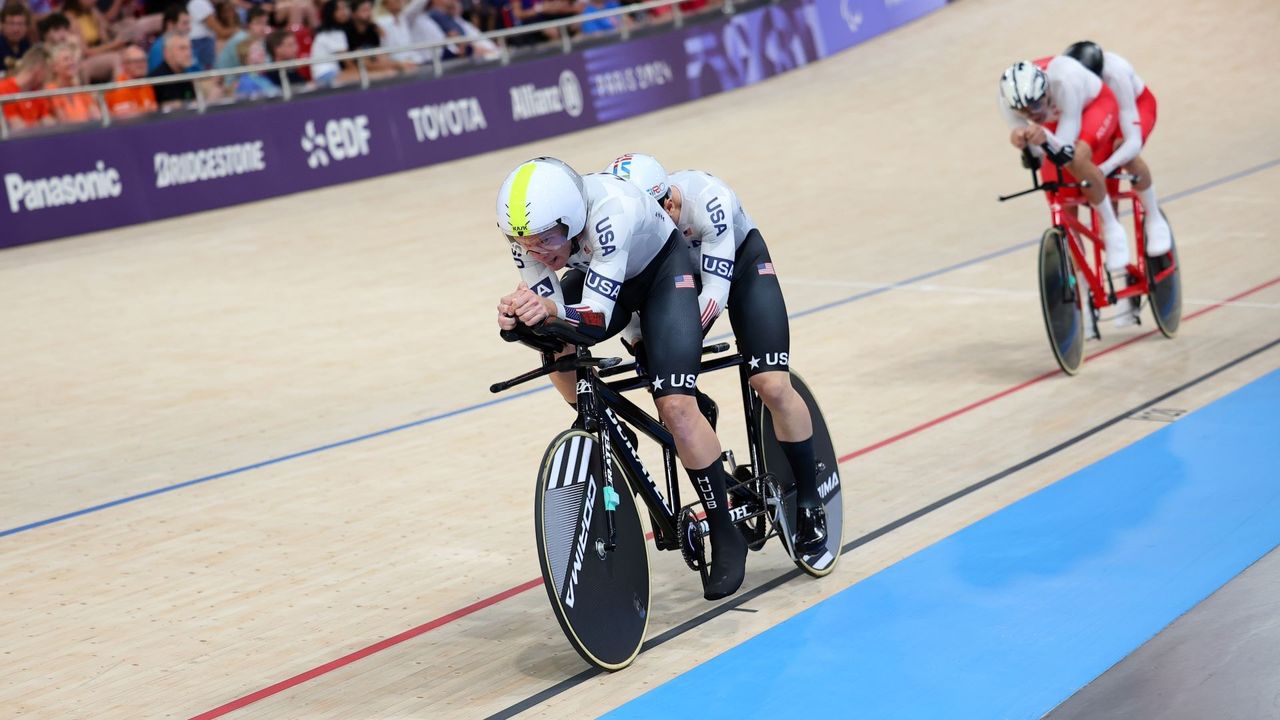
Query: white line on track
<point x="976" y="291"/>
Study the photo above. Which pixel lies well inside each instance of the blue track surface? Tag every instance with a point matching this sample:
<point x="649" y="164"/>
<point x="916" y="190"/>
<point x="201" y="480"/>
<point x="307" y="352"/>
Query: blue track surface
<point x="1010" y="616"/>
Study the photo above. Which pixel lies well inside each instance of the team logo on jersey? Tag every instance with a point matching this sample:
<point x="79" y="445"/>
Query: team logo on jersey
<point x="544" y="288"/>
<point x="607" y="287"/>
<point x="765" y="269"/>
<point x="605" y="236"/>
<point x="684" y="281"/>
<point x="716" y="213"/>
<point x="720" y="267"/>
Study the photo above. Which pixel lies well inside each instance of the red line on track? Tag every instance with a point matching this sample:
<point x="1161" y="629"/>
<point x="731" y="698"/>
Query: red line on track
<point x="512" y="592"/>
<point x="1041" y="378"/>
<point x="366" y="652"/>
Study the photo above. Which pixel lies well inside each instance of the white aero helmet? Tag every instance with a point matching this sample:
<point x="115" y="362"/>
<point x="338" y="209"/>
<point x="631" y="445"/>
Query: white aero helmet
<point x="1023" y="85"/>
<point x="642" y="171"/>
<point x="540" y="194"/>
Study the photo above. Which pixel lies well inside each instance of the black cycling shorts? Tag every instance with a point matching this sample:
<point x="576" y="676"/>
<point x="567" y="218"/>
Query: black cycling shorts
<point x="666" y="296"/>
<point x="757" y="311"/>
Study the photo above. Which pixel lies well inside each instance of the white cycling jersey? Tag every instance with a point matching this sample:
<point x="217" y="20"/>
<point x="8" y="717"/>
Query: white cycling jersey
<point x="625" y="230"/>
<point x="714" y="225"/>
<point x="1071" y="88"/>
<point x="1125" y="84"/>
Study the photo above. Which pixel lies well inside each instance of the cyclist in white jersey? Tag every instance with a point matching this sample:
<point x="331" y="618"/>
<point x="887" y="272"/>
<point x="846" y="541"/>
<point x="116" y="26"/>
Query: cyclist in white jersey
<point x="1057" y="102"/>
<point x="1137" y="106"/>
<point x="737" y="274"/>
<point x="626" y="257"/>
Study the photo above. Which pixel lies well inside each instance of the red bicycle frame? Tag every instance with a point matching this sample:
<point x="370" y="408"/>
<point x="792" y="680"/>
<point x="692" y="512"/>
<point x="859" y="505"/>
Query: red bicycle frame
<point x="1064" y="212"/>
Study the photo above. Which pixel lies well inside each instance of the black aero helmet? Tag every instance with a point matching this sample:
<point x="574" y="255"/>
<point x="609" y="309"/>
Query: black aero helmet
<point x="1089" y="54"/>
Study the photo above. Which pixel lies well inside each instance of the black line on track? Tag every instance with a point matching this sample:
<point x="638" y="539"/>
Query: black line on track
<point x="738" y="600"/>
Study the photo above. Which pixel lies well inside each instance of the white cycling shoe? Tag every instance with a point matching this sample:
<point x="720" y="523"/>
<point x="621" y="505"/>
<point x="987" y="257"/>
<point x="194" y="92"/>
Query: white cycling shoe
<point x="1116" y="242"/>
<point x="1159" y="236"/>
<point x="1126" y="313"/>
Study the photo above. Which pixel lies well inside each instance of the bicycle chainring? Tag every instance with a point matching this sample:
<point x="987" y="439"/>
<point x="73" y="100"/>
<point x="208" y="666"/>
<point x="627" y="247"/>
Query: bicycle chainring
<point x="693" y="546"/>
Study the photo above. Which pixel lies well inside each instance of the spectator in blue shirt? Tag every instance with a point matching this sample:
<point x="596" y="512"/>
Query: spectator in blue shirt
<point x="599" y="25"/>
<point x="177" y="21"/>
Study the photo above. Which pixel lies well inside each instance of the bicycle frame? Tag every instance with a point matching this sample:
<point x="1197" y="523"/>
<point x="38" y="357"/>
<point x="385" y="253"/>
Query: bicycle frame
<point x="593" y="390"/>
<point x="1064" y="212"/>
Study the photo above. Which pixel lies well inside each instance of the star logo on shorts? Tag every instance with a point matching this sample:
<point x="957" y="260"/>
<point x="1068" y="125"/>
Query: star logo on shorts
<point x="755" y="363"/>
<point x="657" y="383"/>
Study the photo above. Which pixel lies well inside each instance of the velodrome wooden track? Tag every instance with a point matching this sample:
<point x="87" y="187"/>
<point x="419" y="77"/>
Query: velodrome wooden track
<point x="212" y="346"/>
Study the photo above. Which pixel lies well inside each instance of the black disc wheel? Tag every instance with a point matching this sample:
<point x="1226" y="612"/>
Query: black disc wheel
<point x="1166" y="294"/>
<point x="829" y="483"/>
<point x="599" y="596"/>
<point x="1060" y="295"/>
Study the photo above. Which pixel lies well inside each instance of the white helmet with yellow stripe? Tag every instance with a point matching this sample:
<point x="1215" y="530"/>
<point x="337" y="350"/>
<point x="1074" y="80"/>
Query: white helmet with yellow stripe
<point x="539" y="195"/>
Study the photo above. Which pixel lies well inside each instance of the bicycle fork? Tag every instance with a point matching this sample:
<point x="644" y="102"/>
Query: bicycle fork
<point x="590" y="418"/>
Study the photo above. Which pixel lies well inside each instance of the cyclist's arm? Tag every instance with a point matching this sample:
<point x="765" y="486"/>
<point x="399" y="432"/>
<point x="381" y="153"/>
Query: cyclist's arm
<point x="541" y="279"/>
<point x="1130" y="128"/>
<point x="717" y="252"/>
<point x="605" y="275"/>
<point x="1016" y="122"/>
<point x="1071" y="106"/>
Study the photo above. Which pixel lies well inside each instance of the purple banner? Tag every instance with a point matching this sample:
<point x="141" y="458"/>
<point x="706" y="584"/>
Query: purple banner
<point x="750" y="47"/>
<point x="636" y="77"/>
<point x="93" y="180"/>
<point x="846" y="23"/>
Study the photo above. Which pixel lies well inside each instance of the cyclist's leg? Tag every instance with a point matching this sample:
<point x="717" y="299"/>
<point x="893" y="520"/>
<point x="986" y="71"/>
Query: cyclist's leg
<point x="1159" y="236"/>
<point x="758" y="314"/>
<point x="1098" y="130"/>
<point x="673" y="334"/>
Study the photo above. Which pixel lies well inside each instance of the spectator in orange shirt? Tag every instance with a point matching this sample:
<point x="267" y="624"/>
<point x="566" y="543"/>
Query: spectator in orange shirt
<point x="29" y="75"/>
<point x="64" y="62"/>
<point x="128" y="102"/>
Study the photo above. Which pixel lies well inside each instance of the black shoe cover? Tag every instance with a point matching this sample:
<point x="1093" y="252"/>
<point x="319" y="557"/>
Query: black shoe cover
<point x="728" y="563"/>
<point x="811" y="531"/>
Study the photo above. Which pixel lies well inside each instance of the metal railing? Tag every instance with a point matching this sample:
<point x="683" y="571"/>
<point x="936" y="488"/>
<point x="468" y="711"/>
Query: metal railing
<point x="361" y="58"/>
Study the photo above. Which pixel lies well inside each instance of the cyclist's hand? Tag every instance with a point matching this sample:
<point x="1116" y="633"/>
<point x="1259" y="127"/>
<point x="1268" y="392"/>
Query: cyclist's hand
<point x="528" y="307"/>
<point x="1018" y="137"/>
<point x="1037" y="135"/>
<point x="507" y="316"/>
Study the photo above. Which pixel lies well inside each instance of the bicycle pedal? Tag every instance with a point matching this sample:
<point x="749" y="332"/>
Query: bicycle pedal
<point x="727" y="458"/>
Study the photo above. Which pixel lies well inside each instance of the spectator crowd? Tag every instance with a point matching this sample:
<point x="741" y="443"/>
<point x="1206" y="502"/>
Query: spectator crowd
<point x="49" y="44"/>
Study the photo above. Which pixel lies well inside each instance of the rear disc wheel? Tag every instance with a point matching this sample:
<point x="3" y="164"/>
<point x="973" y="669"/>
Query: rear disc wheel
<point x="829" y="482"/>
<point x="1166" y="295"/>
